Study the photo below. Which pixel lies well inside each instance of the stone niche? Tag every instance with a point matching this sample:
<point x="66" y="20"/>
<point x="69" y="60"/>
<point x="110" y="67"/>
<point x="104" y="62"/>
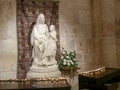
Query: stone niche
<point x="27" y="13"/>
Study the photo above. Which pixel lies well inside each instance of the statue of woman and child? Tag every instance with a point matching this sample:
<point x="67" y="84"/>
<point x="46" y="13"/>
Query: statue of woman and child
<point x="43" y="51"/>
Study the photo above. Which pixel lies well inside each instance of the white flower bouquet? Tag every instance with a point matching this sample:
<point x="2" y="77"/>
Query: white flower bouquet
<point x="67" y="60"/>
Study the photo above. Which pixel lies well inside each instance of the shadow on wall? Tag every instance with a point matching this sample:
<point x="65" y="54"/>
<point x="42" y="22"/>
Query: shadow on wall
<point x="29" y="40"/>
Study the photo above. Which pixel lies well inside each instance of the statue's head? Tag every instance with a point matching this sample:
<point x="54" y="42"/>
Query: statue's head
<point x="41" y="19"/>
<point x="52" y="28"/>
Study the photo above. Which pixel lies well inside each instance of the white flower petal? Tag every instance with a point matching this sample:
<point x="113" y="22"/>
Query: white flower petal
<point x="64" y="63"/>
<point x="63" y="52"/>
<point x="68" y="64"/>
<point x="62" y="57"/>
<point x="72" y="63"/>
<point x="67" y="57"/>
<point x="64" y="60"/>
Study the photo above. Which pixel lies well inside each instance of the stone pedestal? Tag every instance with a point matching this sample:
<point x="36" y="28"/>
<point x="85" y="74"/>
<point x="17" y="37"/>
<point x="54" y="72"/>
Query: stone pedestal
<point x="46" y="71"/>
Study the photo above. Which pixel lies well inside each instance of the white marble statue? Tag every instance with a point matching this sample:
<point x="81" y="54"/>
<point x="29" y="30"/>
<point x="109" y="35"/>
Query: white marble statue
<point x="44" y="50"/>
<point x="39" y="38"/>
<point x="51" y="48"/>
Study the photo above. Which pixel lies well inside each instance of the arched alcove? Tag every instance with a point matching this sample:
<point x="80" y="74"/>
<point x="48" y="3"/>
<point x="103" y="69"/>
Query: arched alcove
<point x="27" y="12"/>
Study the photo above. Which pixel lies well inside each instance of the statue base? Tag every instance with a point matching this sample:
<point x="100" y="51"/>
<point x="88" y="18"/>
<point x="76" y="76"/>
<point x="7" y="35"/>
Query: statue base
<point x="39" y="75"/>
<point x="48" y="71"/>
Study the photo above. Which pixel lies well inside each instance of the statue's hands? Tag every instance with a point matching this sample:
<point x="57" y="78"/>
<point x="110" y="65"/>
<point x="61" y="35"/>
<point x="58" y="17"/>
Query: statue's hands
<point x="35" y="42"/>
<point x="48" y="35"/>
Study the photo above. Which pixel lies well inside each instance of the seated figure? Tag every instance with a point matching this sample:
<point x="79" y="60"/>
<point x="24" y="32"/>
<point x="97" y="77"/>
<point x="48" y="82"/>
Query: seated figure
<point x="43" y="51"/>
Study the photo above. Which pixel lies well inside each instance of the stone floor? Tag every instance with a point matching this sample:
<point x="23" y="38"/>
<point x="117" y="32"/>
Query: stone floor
<point x="118" y="86"/>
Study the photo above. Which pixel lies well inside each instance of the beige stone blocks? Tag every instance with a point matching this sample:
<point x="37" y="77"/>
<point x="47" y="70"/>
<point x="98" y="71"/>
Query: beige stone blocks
<point x="108" y="11"/>
<point x="75" y="30"/>
<point x="8" y="39"/>
<point x="84" y="17"/>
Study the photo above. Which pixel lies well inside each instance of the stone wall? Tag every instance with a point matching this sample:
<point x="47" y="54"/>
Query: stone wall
<point x="91" y="27"/>
<point x="8" y="39"/>
<point x="76" y="33"/>
<point x="109" y="34"/>
<point x="117" y="27"/>
<point x="76" y="30"/>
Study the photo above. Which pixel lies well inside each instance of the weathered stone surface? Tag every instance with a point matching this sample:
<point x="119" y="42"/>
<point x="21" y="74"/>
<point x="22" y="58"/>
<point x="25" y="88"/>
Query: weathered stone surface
<point x="109" y="34"/>
<point x="75" y="31"/>
<point x="96" y="42"/>
<point x="8" y="39"/>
